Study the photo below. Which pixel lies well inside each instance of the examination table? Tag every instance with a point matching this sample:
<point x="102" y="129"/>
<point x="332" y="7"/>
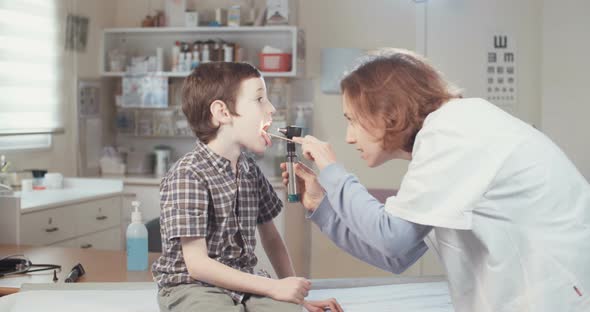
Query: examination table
<point x="423" y="294"/>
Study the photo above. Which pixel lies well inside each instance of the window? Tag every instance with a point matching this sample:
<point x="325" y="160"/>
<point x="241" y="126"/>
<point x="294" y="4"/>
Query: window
<point x="32" y="71"/>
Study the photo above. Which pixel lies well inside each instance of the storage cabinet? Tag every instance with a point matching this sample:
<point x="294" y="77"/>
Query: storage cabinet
<point x="91" y="224"/>
<point x="105" y="240"/>
<point x="47" y="226"/>
<point x="98" y="215"/>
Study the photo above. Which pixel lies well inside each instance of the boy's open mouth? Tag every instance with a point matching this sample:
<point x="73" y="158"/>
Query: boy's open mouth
<point x="263" y="133"/>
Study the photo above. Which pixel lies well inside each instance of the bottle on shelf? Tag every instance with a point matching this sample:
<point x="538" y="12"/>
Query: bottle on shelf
<point x="205" y="54"/>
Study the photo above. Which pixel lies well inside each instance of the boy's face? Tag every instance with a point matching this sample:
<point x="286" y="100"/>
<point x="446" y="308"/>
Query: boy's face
<point x="255" y="112"/>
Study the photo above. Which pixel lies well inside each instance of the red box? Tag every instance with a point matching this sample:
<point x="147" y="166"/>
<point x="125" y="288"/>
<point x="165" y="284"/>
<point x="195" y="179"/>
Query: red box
<point x="275" y="62"/>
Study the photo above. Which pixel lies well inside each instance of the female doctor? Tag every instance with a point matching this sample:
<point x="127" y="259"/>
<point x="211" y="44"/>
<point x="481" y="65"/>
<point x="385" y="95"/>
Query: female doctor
<point x="504" y="208"/>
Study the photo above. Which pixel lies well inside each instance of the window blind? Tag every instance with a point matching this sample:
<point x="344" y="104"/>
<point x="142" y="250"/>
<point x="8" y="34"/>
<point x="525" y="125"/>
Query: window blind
<point x="32" y="67"/>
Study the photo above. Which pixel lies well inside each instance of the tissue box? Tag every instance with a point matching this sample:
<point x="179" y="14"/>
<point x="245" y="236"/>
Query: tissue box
<point x="274" y="62"/>
<point x="110" y="166"/>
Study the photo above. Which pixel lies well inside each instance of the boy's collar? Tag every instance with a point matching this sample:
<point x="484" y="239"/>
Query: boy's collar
<point x="221" y="163"/>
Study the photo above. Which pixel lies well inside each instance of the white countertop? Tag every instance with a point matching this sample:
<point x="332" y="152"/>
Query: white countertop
<point x="75" y="190"/>
<point x="135" y="179"/>
<point x="152" y="180"/>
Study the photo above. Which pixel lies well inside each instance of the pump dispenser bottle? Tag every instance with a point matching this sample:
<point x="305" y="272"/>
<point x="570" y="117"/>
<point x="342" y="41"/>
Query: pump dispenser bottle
<point x="137" y="241"/>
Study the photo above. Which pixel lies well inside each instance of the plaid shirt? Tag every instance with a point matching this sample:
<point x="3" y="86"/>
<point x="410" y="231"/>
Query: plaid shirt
<point x="201" y="197"/>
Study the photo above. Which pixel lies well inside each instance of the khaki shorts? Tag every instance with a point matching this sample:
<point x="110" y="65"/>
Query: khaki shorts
<point x="193" y="298"/>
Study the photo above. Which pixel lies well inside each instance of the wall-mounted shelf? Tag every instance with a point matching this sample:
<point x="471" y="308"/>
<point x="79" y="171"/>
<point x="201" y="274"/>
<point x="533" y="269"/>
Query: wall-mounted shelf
<point x="184" y="74"/>
<point x="145" y="41"/>
<point x="175" y="30"/>
<point x="183" y="137"/>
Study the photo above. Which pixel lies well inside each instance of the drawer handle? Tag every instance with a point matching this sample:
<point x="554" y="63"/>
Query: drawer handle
<point x="53" y="229"/>
<point x="86" y="246"/>
<point x="101" y="218"/>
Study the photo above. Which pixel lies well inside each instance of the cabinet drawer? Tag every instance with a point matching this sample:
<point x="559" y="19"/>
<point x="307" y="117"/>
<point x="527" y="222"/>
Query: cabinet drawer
<point x="106" y="240"/>
<point x="70" y="243"/>
<point x="98" y="215"/>
<point x="48" y="226"/>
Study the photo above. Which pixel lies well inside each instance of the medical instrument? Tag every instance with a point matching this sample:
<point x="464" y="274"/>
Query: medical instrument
<point x="76" y="272"/>
<point x="279" y="137"/>
<point x="19" y="264"/>
<point x="290" y="132"/>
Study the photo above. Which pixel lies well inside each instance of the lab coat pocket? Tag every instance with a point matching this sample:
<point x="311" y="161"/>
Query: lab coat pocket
<point x="553" y="285"/>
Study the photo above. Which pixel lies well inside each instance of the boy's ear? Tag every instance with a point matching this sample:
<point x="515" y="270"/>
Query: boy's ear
<point x="219" y="113"/>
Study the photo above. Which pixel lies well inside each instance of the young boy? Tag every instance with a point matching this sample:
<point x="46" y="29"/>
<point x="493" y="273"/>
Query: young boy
<point x="214" y="198"/>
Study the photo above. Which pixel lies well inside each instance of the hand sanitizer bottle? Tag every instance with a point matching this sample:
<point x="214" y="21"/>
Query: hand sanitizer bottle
<point x="137" y="241"/>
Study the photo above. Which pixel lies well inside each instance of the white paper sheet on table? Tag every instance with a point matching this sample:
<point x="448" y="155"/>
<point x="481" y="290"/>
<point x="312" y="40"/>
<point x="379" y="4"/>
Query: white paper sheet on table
<point x="81" y="301"/>
<point x="423" y="297"/>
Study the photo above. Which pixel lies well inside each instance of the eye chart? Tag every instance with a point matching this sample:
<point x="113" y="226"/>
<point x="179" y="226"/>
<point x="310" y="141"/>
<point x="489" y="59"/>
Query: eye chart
<point x="501" y="71"/>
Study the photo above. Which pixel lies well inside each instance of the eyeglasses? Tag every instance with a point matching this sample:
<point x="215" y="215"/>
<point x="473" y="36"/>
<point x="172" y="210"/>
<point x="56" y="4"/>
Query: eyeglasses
<point x="19" y="264"/>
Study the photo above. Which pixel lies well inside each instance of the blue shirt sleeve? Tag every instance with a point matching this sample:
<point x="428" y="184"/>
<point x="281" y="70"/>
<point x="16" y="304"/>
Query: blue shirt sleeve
<point x="366" y="217"/>
<point x="331" y="225"/>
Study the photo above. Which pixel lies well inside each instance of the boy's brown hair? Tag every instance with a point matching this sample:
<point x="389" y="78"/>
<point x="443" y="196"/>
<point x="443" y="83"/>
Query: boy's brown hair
<point x="396" y="89"/>
<point x="207" y="83"/>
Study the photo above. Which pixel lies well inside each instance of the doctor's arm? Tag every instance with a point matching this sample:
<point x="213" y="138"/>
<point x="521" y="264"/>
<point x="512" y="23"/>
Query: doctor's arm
<point x="366" y="217"/>
<point x="362" y="213"/>
<point x="403" y="252"/>
<point x="332" y="225"/>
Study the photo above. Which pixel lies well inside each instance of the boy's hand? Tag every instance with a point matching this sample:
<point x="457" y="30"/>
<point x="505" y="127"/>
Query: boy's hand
<point x="290" y="289"/>
<point x="322" y="305"/>
<point x="312" y="193"/>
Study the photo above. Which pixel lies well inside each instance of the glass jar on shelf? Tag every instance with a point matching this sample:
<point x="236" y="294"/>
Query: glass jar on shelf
<point x="145" y="123"/>
<point x="181" y="125"/>
<point x="125" y="122"/>
<point x="164" y="123"/>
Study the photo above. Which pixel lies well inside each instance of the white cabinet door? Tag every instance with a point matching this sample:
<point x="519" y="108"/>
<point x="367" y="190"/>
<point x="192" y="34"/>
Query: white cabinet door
<point x="98" y="215"/>
<point x="263" y="262"/>
<point x="70" y="243"/>
<point x="47" y="226"/>
<point x="105" y="240"/>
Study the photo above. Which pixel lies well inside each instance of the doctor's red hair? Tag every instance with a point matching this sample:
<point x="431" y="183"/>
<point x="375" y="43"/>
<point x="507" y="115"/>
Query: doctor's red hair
<point x="395" y="90"/>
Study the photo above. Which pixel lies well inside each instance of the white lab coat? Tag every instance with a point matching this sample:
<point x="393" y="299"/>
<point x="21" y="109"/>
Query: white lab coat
<point x="511" y="212"/>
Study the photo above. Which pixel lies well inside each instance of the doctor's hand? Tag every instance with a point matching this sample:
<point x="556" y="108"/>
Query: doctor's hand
<point x="312" y="193"/>
<point x="318" y="151"/>
<point x="322" y="305"/>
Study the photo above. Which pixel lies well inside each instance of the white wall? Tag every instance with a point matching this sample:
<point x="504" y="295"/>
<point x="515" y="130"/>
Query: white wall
<point x="565" y="67"/>
<point x="130" y="13"/>
<point x="352" y="24"/>
<point x="456" y="34"/>
<point x="457" y="43"/>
